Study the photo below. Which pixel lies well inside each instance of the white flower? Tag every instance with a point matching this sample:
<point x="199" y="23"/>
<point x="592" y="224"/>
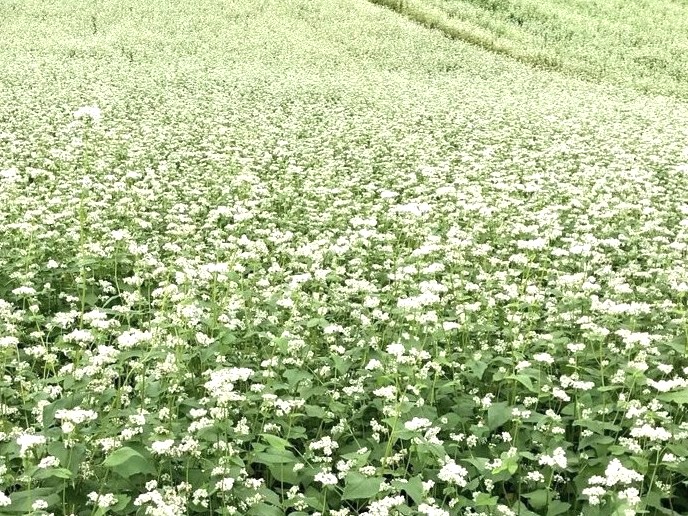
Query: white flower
<point x="396" y="349"/>
<point x="51" y="462"/>
<point x="384" y="506"/>
<point x="162" y="447"/>
<point x="131" y="338"/>
<point x="79" y="335"/>
<point x="10" y="175"/>
<point x="417" y="423"/>
<point x="28" y="441"/>
<point x="616" y="473"/>
<point x="8" y="342"/>
<point x="326" y="479"/>
<point x="532" y="245"/>
<point x="39" y="504"/>
<point x="388" y="194"/>
<point x="594" y="494"/>
<point x="561" y="394"/>
<point x="389" y="392"/>
<point x="326" y="444"/>
<point x="652" y="433"/>
<point x="104" y="500"/>
<point x="544" y="358"/>
<point x="558" y="458"/>
<point x="226" y="484"/>
<point x="535" y="476"/>
<point x="669" y="457"/>
<point x="368" y="471"/>
<point x="453" y="473"/>
<point x="24" y="291"/>
<point x="76" y="415"/>
<point x="505" y="510"/>
<point x="373" y="364"/>
<point x="631" y="495"/>
<point x="91" y="112"/>
<point x="667" y="385"/>
<point x="221" y="383"/>
<point x="522" y="365"/>
<point x="431" y="510"/>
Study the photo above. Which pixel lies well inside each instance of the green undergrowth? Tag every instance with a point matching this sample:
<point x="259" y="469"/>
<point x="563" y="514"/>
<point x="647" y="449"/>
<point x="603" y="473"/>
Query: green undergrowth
<point x="638" y="43"/>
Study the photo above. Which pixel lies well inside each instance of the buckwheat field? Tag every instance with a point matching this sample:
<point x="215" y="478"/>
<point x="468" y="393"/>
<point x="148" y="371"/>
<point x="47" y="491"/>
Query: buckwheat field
<point x="309" y="257"/>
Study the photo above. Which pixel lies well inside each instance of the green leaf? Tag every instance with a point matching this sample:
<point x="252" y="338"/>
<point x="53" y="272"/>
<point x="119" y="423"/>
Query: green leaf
<point x="557" y="507"/>
<point x="678" y="397"/>
<point x="69" y="458"/>
<point x="269" y="496"/>
<point x="357" y="486"/>
<point x="22" y="500"/>
<point x="275" y="456"/>
<point x="607" y="388"/>
<point x="276" y="442"/>
<point x="294" y="376"/>
<point x="316" y="321"/>
<point x="653" y="499"/>
<point x="436" y="450"/>
<point x="284" y="473"/>
<point x="315" y="411"/>
<point x="357" y="459"/>
<point x="678" y="344"/>
<point x="122" y="501"/>
<point x="478" y="462"/>
<point x="498" y="414"/>
<point x="342" y="366"/>
<point x="153" y="389"/>
<point x="537" y="499"/>
<point x="263" y="509"/>
<point x="678" y="449"/>
<point x="90" y="298"/>
<point x="521" y="509"/>
<point x="679" y="467"/>
<point x="642" y="464"/>
<point x="413" y="488"/>
<point x="523" y="380"/>
<point x="127" y="462"/>
<point x="484" y="499"/>
<point x="479" y="369"/>
<point x="42" y="474"/>
<point x="598" y="427"/>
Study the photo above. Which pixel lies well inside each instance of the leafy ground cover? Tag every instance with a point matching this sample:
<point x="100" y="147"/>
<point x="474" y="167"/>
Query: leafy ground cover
<point x="308" y="257"/>
<point x="639" y="43"/>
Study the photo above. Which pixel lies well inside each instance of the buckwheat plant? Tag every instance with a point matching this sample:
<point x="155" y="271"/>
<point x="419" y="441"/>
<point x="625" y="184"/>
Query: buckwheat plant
<point x="268" y="258"/>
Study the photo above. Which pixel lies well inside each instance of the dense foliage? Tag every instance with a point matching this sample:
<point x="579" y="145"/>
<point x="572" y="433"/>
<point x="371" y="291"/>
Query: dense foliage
<point x="307" y="257"/>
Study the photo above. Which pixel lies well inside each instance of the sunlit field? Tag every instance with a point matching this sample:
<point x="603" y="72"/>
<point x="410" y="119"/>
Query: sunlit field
<point x="306" y="257"/>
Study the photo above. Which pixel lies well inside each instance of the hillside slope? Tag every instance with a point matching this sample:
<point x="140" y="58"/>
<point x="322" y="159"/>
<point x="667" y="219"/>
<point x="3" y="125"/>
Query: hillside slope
<point x="637" y="43"/>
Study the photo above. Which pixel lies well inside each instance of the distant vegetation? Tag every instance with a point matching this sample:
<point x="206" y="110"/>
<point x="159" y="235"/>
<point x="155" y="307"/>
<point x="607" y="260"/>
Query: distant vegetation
<point x="640" y="43"/>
